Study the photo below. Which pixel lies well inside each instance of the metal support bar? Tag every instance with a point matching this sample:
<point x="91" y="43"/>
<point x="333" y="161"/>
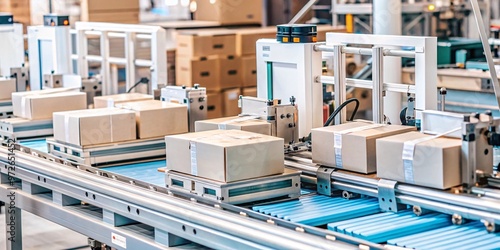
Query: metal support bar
<point x="324" y="175"/>
<point x="378" y="85"/>
<point x="368" y="51"/>
<point x="339" y="76"/>
<point x="365" y="84"/>
<point x="387" y="196"/>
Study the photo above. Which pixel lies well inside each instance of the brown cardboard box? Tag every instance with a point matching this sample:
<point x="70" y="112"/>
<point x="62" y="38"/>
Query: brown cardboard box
<point x="130" y="17"/>
<point x="7" y="87"/>
<point x="94" y="126"/>
<point x="193" y="44"/>
<point x="358" y="151"/>
<point x="230" y="72"/>
<point x="111" y="100"/>
<point x="252" y="91"/>
<point x="214" y="105"/>
<point x="20" y="9"/>
<point x="246" y="39"/>
<point x="235" y="122"/>
<point x="225" y="155"/>
<point x="230" y="102"/>
<point x="436" y="162"/>
<point x="229" y="11"/>
<point x="202" y="70"/>
<point x="223" y="42"/>
<point x="39" y="105"/>
<point x="108" y="5"/>
<point x="156" y="118"/>
<point x="249" y="71"/>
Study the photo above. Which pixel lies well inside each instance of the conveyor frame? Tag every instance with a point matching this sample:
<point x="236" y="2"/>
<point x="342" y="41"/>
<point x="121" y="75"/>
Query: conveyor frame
<point x="26" y="130"/>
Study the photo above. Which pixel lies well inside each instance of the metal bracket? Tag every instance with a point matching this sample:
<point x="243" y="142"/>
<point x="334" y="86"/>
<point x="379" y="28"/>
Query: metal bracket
<point x="387" y="196"/>
<point x="324" y="183"/>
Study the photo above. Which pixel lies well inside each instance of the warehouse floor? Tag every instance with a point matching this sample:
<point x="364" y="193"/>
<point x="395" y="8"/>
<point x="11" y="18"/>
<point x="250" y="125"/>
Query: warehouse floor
<point x="40" y="234"/>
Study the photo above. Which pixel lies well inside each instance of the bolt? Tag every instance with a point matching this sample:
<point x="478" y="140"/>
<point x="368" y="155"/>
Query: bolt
<point x="457" y="219"/>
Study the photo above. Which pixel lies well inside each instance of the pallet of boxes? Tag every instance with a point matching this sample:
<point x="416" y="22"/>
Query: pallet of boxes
<point x="116" y="121"/>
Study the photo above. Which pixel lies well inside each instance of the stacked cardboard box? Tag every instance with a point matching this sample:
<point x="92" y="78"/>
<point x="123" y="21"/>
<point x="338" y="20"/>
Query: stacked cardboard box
<point x="115" y="11"/>
<point x="20" y="9"/>
<point x="228" y="12"/>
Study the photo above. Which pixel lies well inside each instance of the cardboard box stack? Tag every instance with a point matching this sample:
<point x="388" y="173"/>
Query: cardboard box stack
<point x="115" y="11"/>
<point x="40" y="104"/>
<point x="225" y="155"/>
<point x="351" y="146"/>
<point x="20" y="9"/>
<point x="7" y="87"/>
<point x="112" y="100"/>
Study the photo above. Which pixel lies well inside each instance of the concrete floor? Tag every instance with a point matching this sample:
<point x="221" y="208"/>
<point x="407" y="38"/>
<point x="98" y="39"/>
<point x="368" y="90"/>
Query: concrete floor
<point x="40" y="234"/>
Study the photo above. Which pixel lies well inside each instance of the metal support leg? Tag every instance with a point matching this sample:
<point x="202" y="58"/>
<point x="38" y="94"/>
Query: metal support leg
<point x="378" y="84"/>
<point x="324" y="177"/>
<point x="469" y="156"/>
<point x="169" y="239"/>
<point x="340" y="85"/>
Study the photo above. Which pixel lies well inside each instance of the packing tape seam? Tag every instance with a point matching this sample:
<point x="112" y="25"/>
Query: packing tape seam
<point x="223" y="125"/>
<point x="337" y="141"/>
<point x="409" y="154"/>
<point x="194" y="161"/>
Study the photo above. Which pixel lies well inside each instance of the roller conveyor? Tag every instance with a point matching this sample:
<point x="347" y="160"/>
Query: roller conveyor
<point x="146" y="171"/>
<point x="468" y="236"/>
<point x="39" y="144"/>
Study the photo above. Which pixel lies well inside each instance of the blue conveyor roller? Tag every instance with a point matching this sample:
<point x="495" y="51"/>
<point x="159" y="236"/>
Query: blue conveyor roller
<point x="146" y="171"/>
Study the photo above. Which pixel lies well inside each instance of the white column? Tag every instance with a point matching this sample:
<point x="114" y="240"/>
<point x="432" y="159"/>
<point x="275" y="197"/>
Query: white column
<point x="387" y="20"/>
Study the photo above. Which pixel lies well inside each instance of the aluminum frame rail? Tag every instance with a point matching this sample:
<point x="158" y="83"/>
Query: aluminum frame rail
<point x="465" y="206"/>
<point x="132" y="35"/>
<point x="174" y="216"/>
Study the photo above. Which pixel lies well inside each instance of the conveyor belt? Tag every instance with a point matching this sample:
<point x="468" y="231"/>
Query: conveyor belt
<point x="315" y="210"/>
<point x="147" y="171"/>
<point x="468" y="236"/>
<point x="384" y="226"/>
<point x="40" y="144"/>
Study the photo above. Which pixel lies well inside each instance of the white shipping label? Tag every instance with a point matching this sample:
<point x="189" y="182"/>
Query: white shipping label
<point x="119" y="240"/>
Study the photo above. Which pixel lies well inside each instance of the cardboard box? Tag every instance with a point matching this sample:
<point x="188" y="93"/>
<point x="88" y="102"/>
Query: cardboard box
<point x="225" y="155"/>
<point x="130" y="17"/>
<point x="7" y="87"/>
<point x="235" y="122"/>
<point x="230" y="75"/>
<point x="246" y="39"/>
<point x="108" y="5"/>
<point x="40" y="104"/>
<point x="252" y="91"/>
<point x="202" y="70"/>
<point x="357" y="139"/>
<point x="20" y="9"/>
<point x="94" y="126"/>
<point x="229" y="11"/>
<point x="323" y="29"/>
<point x="112" y="100"/>
<point x="436" y="162"/>
<point x="156" y="118"/>
<point x="223" y="42"/>
<point x="214" y="105"/>
<point x="230" y="102"/>
<point x="206" y="42"/>
<point x="249" y="71"/>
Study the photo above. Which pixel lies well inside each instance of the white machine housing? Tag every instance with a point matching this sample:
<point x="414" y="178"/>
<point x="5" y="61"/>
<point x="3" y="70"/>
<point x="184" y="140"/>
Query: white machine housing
<point x="11" y="47"/>
<point x="294" y="68"/>
<point x="49" y="52"/>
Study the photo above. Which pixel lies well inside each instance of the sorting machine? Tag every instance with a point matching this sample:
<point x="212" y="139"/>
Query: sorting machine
<point x="131" y="205"/>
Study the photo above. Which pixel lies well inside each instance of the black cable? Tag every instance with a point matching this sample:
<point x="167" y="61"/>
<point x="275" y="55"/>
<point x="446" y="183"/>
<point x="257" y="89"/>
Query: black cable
<point x="143" y="80"/>
<point x="339" y="108"/>
<point x="402" y="116"/>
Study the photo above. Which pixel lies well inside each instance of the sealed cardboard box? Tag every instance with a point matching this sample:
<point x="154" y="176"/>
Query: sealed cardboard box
<point x="108" y="5"/>
<point x="214" y="105"/>
<point x="230" y="102"/>
<point x="249" y="124"/>
<point x="202" y="70"/>
<point x="229" y="11"/>
<point x="94" y="126"/>
<point x="112" y="100"/>
<point x="246" y="39"/>
<point x="40" y="104"/>
<point x="7" y="87"/>
<point x="252" y="91"/>
<point x="130" y="17"/>
<point x="249" y="71"/>
<point x="436" y="161"/>
<point x="225" y="155"/>
<point x="156" y="118"/>
<point x="351" y="146"/>
<point x="230" y="72"/>
<point x="194" y="44"/>
<point x="223" y="42"/>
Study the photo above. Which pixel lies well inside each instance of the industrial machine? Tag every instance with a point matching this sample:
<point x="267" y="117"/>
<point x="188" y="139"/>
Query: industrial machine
<point x="194" y="98"/>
